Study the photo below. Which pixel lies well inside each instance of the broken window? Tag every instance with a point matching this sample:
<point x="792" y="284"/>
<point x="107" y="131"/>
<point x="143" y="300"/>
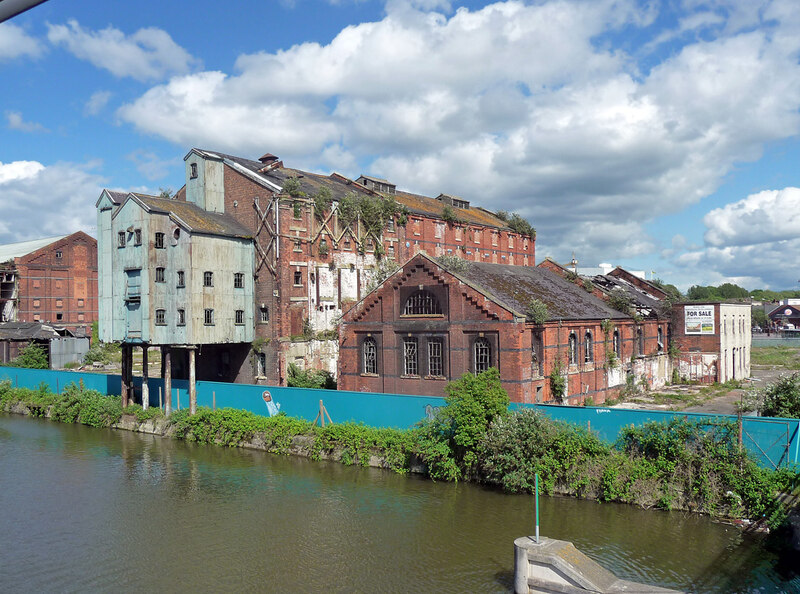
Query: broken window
<point x="616" y="344"/>
<point x="298" y="278"/>
<point x="482" y="355"/>
<point x="181" y="279"/>
<point x="181" y="317"/>
<point x="410" y="362"/>
<point x="159" y="242"/>
<point x="264" y="314"/>
<point x="193" y="170"/>
<point x="573" y="349"/>
<point x="369" y="350"/>
<point x="422" y="303"/>
<point x="59" y="254"/>
<point x="660" y="339"/>
<point x="121" y="239"/>
<point x="137" y="237"/>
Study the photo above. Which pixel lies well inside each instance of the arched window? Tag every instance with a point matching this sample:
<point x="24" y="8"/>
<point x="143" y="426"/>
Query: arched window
<point x="616" y="344"/>
<point x="573" y="349"/>
<point x="482" y="354"/>
<point x="660" y="339"/>
<point x="369" y="349"/>
<point x="422" y="303"/>
<point x="639" y="341"/>
<point x="588" y="348"/>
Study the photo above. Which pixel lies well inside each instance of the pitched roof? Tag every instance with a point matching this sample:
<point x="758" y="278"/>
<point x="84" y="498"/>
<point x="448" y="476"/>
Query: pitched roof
<point x="30" y="331"/>
<point x="23" y="248"/>
<point x="340" y="186"/>
<point x="638" y="297"/>
<point x="195" y="218"/>
<point x="514" y="286"/>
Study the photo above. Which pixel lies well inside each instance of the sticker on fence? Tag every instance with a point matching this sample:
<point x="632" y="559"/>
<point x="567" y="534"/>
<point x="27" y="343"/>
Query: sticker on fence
<point x="272" y="406"/>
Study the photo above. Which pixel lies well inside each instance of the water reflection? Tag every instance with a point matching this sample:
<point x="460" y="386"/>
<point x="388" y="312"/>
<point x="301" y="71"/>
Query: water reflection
<point x="106" y="510"/>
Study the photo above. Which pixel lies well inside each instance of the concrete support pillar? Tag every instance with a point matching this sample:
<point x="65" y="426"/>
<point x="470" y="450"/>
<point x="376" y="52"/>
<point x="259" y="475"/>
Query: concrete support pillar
<point x="145" y="377"/>
<point x="192" y="383"/>
<point x="166" y="361"/>
<point x="124" y="386"/>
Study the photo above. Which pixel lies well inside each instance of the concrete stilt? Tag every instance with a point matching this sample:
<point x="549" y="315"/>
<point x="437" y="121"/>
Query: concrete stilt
<point x="166" y="357"/>
<point x="192" y="383"/>
<point x="145" y="377"/>
<point x="124" y="386"/>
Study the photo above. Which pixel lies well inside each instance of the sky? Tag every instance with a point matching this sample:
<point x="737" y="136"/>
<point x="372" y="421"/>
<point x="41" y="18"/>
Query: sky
<point x="658" y="136"/>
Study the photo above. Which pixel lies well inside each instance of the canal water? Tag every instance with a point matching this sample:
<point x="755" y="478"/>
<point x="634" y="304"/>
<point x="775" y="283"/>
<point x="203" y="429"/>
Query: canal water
<point x="86" y="510"/>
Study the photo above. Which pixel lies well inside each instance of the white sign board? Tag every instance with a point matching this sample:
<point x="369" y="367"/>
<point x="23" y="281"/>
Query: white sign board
<point x="698" y="319"/>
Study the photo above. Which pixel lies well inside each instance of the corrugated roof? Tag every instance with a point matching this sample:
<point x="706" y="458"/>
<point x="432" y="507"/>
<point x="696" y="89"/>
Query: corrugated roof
<point x="30" y="331"/>
<point x="514" y="286"/>
<point x="197" y="219"/>
<point x="23" y="248"/>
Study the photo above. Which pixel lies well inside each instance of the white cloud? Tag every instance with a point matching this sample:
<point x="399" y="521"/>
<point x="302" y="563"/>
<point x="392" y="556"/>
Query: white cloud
<point x="97" y="102"/>
<point x="514" y="106"/>
<point x="16" y="122"/>
<point x="15" y="43"/>
<point x="62" y="196"/>
<point x="151" y="166"/>
<point x="148" y="54"/>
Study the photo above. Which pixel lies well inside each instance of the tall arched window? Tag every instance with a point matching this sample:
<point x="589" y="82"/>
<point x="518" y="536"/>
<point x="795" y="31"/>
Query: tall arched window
<point x="588" y="348"/>
<point x="639" y="341"/>
<point x="616" y="344"/>
<point x="369" y="349"/>
<point x="660" y="339"/>
<point x="573" y="349"/>
<point x="422" y="303"/>
<point x="482" y="355"/>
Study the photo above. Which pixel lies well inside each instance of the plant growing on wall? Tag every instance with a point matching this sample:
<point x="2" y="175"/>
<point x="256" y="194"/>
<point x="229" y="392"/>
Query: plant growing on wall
<point x="380" y="272"/>
<point x="291" y="187"/>
<point x="454" y="263"/>
<point x="322" y="203"/>
<point x="558" y="383"/>
<point x="536" y="311"/>
<point x="374" y="213"/>
<point x="517" y="223"/>
<point x="620" y="300"/>
<point x="449" y="215"/>
<point x="588" y="286"/>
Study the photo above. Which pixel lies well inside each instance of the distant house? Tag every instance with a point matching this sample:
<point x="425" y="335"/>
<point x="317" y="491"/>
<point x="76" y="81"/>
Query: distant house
<point x="61" y="345"/>
<point x="430" y="322"/>
<point x="786" y="315"/>
<point x="51" y="280"/>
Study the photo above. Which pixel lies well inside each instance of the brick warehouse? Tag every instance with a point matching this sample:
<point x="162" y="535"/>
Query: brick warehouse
<point x="52" y="280"/>
<point x="429" y="323"/>
<point x="312" y="261"/>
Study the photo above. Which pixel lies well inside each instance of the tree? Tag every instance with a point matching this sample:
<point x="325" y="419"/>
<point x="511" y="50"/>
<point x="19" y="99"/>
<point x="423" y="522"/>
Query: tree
<point x="165" y="193"/>
<point x="32" y="356"/>
<point x="760" y="317"/>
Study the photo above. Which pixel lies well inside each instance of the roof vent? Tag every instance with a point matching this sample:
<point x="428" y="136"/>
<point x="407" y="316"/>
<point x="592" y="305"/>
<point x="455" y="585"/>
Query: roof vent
<point x="268" y="159"/>
<point x="376" y="183"/>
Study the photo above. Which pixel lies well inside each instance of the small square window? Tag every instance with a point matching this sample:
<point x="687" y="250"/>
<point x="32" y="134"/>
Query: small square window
<point x="238" y="280"/>
<point x="298" y="278"/>
<point x="298" y="246"/>
<point x="59" y="254"/>
<point x="193" y="170"/>
<point x="160" y="275"/>
<point x="137" y="237"/>
<point x="59" y="303"/>
<point x="121" y="239"/>
<point x="36" y="303"/>
<point x="181" y="279"/>
<point x="208" y="279"/>
<point x="36" y="318"/>
<point x="181" y="317"/>
<point x="80" y="302"/>
<point x="80" y="317"/>
<point x="264" y="314"/>
<point x="161" y="317"/>
<point x="239" y="318"/>
<point x="159" y="241"/>
<point x="208" y="317"/>
<point x="59" y="316"/>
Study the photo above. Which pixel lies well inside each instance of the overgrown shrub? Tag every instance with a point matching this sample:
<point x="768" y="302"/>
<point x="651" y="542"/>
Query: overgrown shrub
<point x="781" y="398"/>
<point x="536" y="311"/>
<point x="32" y="356"/>
<point x="310" y="378"/>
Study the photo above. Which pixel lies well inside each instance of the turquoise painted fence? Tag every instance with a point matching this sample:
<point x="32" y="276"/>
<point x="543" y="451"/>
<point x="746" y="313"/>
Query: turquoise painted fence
<point x="774" y="442"/>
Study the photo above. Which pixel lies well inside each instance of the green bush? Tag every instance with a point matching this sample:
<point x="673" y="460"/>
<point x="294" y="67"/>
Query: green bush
<point x="782" y="398"/>
<point x="310" y="378"/>
<point x="32" y="356"/>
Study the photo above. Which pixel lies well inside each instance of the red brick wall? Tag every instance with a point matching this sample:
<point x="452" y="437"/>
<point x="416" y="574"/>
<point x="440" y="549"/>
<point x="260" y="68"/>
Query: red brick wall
<point x="695" y="343"/>
<point x="60" y="290"/>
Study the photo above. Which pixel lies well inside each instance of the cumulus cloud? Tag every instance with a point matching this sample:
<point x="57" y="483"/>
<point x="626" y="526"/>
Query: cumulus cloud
<point x="514" y="106"/>
<point x="149" y="54"/>
<point x="15" y="43"/>
<point x="754" y="239"/>
<point x="16" y="122"/>
<point x="151" y="166"/>
<point x="97" y="102"/>
<point x="62" y="195"/>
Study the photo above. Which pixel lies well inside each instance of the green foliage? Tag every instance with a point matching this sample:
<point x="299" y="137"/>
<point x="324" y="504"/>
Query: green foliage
<point x="380" y="272"/>
<point x="291" y="187"/>
<point x="357" y="443"/>
<point x="449" y="215"/>
<point x="374" y="213"/>
<point x="142" y="415"/>
<point x="536" y="311"/>
<point x="787" y="357"/>
<point x="759" y="317"/>
<point x="521" y="225"/>
<point x="558" y="383"/>
<point x="448" y="444"/>
<point x="621" y="301"/>
<point x="782" y="398"/>
<point x="588" y="286"/>
<point x="454" y="264"/>
<point x="310" y="378"/>
<point x="89" y="407"/>
<point x="165" y="193"/>
<point x="297" y="209"/>
<point x="724" y="292"/>
<point x="32" y="356"/>
<point x="95" y="332"/>
<point x="322" y="203"/>
<point x="323" y="248"/>
<point x="673" y="293"/>
<point x="258" y="343"/>
<point x="101" y="352"/>
<point x="767" y="295"/>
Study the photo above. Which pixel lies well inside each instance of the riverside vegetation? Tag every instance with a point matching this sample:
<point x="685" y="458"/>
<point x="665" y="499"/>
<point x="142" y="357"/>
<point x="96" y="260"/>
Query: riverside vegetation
<point x="695" y="466"/>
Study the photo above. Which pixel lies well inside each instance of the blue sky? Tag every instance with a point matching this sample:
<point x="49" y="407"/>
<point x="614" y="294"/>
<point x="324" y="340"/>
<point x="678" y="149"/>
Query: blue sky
<point x="656" y="136"/>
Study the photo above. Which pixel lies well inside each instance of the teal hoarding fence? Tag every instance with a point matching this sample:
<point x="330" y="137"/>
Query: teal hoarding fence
<point x="773" y="442"/>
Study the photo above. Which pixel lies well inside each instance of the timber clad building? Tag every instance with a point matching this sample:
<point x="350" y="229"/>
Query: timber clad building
<point x="430" y="323"/>
<point x="52" y="280"/>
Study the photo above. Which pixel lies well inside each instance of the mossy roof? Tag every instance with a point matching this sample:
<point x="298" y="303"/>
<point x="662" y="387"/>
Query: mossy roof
<point x="197" y="219"/>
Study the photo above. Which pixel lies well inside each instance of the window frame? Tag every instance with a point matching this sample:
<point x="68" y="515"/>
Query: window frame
<point x="481" y="354"/>
<point x="410" y="357"/>
<point x="238" y="280"/>
<point x="419" y="302"/>
<point x="181" y="317"/>
<point x="160" y="317"/>
<point x="208" y="317"/>
<point x="238" y="317"/>
<point x="436" y="360"/>
<point x="161" y="274"/>
<point x="572" y="349"/>
<point x="588" y="348"/>
<point x="369" y="356"/>
<point x="159" y="242"/>
<point x="181" y="283"/>
<point x="208" y="278"/>
<point x="137" y="237"/>
<point x="262" y="318"/>
<point x="120" y="239"/>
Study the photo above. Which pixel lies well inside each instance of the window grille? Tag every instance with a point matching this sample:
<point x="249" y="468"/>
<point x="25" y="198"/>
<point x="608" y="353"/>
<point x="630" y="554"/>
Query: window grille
<point x="588" y="348"/>
<point x="161" y="317"/>
<point x="573" y="349"/>
<point x="422" y="303"/>
<point x="121" y="239"/>
<point x="264" y="314"/>
<point x="159" y="240"/>
<point x="208" y="279"/>
<point x="181" y="317"/>
<point x="238" y="280"/>
<point x="435" y="358"/>
<point x="370" y="350"/>
<point x="616" y="344"/>
<point x="181" y="279"/>
<point x="159" y="275"/>
<point x="208" y="317"/>
<point x="410" y="361"/>
<point x="483" y="355"/>
<point x="59" y="254"/>
<point x="239" y="318"/>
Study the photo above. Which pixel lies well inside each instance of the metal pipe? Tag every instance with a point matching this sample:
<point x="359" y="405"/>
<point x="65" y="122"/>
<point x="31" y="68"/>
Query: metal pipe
<point x="537" y="506"/>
